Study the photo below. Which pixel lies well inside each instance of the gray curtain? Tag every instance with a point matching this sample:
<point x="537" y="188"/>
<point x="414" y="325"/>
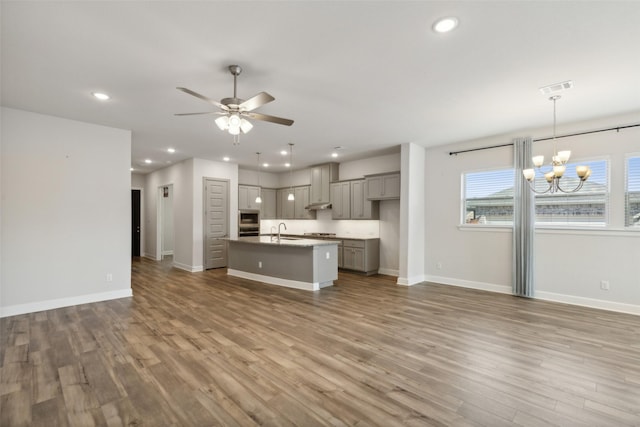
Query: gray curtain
<point x="523" y="221"/>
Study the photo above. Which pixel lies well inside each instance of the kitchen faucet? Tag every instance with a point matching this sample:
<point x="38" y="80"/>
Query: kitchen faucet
<point x="272" y="232"/>
<point x="285" y="228"/>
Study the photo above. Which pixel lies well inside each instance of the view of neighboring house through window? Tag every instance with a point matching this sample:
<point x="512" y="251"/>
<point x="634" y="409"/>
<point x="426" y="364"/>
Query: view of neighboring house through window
<point x="488" y="197"/>
<point x="632" y="193"/>
<point x="585" y="207"/>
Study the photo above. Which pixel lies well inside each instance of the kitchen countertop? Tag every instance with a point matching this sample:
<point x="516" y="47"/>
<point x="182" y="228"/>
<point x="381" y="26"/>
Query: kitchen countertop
<point x="350" y="237"/>
<point x="284" y="241"/>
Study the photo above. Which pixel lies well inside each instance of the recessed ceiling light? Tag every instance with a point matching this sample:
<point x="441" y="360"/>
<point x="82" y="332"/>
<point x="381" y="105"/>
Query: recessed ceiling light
<point x="334" y="154"/>
<point x="265" y="165"/>
<point x="445" y="25"/>
<point x="171" y="150"/>
<point x="101" y="96"/>
<point x="131" y="169"/>
<point x="284" y="152"/>
<point x="147" y="161"/>
<point x="226" y="159"/>
<point x="288" y="165"/>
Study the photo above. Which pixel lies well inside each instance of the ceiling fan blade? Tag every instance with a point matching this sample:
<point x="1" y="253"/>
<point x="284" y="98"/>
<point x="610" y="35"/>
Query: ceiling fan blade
<point x="256" y="101"/>
<point x="195" y="114"/>
<point x="272" y="119"/>
<point x="204" y="98"/>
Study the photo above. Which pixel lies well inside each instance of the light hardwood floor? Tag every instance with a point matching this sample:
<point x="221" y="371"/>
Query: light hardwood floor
<point x="200" y="349"/>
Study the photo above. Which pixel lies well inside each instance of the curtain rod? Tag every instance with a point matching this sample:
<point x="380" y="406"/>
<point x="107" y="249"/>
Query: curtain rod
<point x="617" y="129"/>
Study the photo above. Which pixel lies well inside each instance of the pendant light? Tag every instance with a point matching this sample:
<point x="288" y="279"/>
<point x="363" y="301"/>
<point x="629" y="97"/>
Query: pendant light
<point x="291" y="197"/>
<point x="258" y="198"/>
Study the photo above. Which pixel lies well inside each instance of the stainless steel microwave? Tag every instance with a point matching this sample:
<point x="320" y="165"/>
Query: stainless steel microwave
<point x="249" y="223"/>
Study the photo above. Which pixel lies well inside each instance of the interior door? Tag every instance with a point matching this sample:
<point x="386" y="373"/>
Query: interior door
<point x="216" y="222"/>
<point x="135" y="222"/>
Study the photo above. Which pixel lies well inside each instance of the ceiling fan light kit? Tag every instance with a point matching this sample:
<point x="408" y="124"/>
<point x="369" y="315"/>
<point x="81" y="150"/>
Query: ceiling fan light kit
<point x="235" y="111"/>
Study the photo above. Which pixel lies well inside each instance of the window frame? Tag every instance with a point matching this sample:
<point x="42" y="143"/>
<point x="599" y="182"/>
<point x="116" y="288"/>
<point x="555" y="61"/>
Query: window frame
<point x="463" y="205"/>
<point x="627" y="163"/>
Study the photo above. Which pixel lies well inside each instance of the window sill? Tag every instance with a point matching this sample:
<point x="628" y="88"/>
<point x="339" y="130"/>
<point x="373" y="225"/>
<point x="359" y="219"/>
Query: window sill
<point x="541" y="229"/>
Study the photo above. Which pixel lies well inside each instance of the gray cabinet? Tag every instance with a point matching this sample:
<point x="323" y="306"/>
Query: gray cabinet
<point x="293" y="209"/>
<point x="284" y="207"/>
<point x="268" y="208"/>
<point x="360" y="255"/>
<point x="247" y="197"/>
<point x="321" y="178"/>
<point x="349" y="201"/>
<point x="341" y="200"/>
<point x="383" y="186"/>
<point x="302" y="195"/>
<point x="361" y="206"/>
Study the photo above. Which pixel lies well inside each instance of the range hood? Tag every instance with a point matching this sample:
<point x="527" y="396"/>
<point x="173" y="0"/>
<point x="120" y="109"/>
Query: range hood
<point x="318" y="206"/>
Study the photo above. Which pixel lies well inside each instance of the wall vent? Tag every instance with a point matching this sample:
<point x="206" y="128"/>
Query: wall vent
<point x="556" y="87"/>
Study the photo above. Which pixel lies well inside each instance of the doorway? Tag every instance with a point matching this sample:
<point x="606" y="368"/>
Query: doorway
<point x="135" y="222"/>
<point x="216" y="222"/>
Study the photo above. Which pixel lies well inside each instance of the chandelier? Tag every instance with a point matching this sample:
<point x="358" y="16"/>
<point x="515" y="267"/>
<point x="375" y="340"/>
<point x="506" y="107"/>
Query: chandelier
<point x="558" y="166"/>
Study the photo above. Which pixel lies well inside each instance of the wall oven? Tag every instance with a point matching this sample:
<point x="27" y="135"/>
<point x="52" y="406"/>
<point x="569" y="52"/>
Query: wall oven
<point x="248" y="223"/>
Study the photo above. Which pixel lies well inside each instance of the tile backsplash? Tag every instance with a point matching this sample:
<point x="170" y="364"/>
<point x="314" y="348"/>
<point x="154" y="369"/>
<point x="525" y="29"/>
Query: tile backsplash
<point x="324" y="224"/>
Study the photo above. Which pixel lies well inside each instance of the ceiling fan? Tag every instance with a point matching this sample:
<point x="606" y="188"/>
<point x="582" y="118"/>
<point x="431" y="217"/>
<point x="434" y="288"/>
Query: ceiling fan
<point x="235" y="111"/>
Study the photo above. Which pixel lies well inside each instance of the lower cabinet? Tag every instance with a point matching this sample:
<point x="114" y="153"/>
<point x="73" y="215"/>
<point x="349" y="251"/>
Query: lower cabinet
<point x="360" y="255"/>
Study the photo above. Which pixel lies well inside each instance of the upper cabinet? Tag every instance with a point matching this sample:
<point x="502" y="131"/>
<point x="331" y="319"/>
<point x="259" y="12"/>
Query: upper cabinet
<point x="361" y="207"/>
<point x="383" y="186"/>
<point x="247" y="197"/>
<point x="321" y="178"/>
<point x="302" y="199"/>
<point x="268" y="205"/>
<point x="341" y="200"/>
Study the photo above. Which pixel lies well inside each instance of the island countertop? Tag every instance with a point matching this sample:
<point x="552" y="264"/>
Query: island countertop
<point x="284" y="241"/>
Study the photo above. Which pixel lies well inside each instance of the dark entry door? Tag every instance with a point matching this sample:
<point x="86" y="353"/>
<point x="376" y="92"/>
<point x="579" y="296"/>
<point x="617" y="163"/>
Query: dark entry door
<point x="135" y="222"/>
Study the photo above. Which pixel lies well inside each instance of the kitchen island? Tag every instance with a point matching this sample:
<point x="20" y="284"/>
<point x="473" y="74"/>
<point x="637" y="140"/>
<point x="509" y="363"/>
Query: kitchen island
<point x="308" y="264"/>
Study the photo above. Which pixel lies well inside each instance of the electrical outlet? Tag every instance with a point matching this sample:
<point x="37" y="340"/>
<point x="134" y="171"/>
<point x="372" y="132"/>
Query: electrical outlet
<point x="439" y="265"/>
<point x="604" y="285"/>
<point x="328" y="255"/>
<point x="109" y="277"/>
<point x="259" y="264"/>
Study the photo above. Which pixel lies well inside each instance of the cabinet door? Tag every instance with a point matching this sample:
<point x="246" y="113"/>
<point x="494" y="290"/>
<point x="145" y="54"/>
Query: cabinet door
<point x="317" y="184"/>
<point x="252" y="194"/>
<point x="383" y="187"/>
<point x="340" y="256"/>
<point x="286" y="206"/>
<point x="340" y="200"/>
<point x="243" y="197"/>
<point x="361" y="207"/>
<point x="358" y="259"/>
<point x="302" y="199"/>
<point x="391" y="186"/>
<point x="348" y="258"/>
<point x="268" y="206"/>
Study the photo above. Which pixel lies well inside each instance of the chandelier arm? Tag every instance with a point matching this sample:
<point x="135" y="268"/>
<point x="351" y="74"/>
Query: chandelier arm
<point x="533" y="188"/>
<point x="579" y="186"/>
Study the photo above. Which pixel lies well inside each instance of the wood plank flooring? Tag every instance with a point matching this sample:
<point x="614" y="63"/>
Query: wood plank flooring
<point x="204" y="349"/>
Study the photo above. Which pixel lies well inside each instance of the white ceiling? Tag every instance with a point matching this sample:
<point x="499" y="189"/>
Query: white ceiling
<point x="366" y="76"/>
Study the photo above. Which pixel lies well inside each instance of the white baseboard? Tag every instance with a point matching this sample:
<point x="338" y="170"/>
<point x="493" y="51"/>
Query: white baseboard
<point x="588" y="302"/>
<point x="32" y="307"/>
<point x="389" y="272"/>
<point x="410" y="281"/>
<point x="541" y="295"/>
<point x="189" y="268"/>
<point x="296" y="284"/>
<point x="491" y="287"/>
<point x="151" y="256"/>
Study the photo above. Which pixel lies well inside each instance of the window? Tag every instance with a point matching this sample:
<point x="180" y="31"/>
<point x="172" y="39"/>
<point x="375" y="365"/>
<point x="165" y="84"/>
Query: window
<point x="488" y="197"/>
<point x="632" y="193"/>
<point x="585" y="207"/>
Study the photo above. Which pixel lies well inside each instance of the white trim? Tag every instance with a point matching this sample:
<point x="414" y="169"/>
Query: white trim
<point x="410" y="281"/>
<point x="189" y="268"/>
<point x="32" y="307"/>
<point x="585" y="231"/>
<point x="167" y="252"/>
<point x="472" y="284"/>
<point x="588" y="302"/>
<point x="389" y="271"/>
<point x="486" y="228"/>
<point x="541" y="295"/>
<point x="296" y="284"/>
